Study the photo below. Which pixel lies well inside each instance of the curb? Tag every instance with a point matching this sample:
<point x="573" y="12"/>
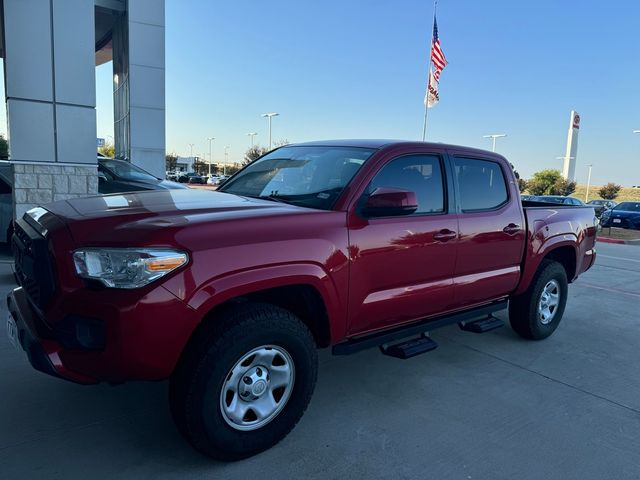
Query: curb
<point x="618" y="241"/>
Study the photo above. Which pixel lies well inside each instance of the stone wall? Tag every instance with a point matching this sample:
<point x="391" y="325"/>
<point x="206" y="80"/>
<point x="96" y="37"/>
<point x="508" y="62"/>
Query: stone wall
<point x="41" y="184"/>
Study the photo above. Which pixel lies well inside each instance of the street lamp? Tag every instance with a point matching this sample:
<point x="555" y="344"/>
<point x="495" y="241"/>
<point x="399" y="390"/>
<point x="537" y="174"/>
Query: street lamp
<point x="586" y="195"/>
<point x="251" y="135"/>
<point x="493" y="137"/>
<point x="270" y="116"/>
<point x="211" y="139"/>
<point x="191" y="145"/>
<point x="226" y="155"/>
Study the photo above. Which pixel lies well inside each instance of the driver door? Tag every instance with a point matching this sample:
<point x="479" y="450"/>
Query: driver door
<point x="402" y="267"/>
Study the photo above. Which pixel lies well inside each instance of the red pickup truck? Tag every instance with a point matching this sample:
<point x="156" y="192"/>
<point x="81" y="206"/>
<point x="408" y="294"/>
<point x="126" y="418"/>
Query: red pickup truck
<point x="344" y="244"/>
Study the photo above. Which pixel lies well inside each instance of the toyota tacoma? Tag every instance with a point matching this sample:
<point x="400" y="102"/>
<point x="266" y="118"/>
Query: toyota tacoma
<point x="229" y="293"/>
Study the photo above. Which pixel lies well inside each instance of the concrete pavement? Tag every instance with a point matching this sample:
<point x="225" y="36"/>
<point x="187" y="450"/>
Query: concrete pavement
<point x="489" y="406"/>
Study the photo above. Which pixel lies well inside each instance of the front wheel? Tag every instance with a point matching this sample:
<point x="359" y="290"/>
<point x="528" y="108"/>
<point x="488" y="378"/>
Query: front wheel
<point x="537" y="313"/>
<point x="244" y="382"/>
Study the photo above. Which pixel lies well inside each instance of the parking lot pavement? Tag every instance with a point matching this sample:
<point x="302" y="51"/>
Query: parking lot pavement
<point x="488" y="406"/>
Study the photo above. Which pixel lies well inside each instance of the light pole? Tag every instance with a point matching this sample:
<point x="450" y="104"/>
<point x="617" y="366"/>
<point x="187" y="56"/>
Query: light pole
<point x="270" y="116"/>
<point x="211" y="139"/>
<point x="493" y="137"/>
<point x="226" y="156"/>
<point x="191" y="145"/>
<point x="586" y="195"/>
<point x="251" y="135"/>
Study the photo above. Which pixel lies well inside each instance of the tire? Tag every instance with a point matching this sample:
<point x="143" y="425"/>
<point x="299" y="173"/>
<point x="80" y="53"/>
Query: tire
<point x="527" y="314"/>
<point x="205" y="389"/>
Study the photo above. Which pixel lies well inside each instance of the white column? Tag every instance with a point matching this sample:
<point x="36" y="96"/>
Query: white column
<point x="146" y="83"/>
<point x="50" y="94"/>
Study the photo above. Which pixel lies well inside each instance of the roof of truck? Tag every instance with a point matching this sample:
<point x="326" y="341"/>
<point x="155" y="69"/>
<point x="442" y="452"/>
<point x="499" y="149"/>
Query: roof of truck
<point x="381" y="143"/>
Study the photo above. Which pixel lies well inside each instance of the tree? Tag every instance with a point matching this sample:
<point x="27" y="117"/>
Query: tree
<point x="4" y="148"/>
<point x="609" y="191"/>
<point x="543" y="181"/>
<point x="200" y="167"/>
<point x="281" y="143"/>
<point x="170" y="161"/>
<point x="107" y="150"/>
<point x="253" y="154"/>
<point x="563" y="187"/>
<point x="522" y="184"/>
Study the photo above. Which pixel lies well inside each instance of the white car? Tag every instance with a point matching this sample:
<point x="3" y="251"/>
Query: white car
<point x="213" y="180"/>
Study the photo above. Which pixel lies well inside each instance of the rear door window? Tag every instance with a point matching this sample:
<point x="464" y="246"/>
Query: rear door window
<point x="481" y="184"/>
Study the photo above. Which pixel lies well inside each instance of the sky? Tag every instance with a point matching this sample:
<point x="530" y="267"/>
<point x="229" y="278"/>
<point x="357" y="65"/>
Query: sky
<point x="357" y="69"/>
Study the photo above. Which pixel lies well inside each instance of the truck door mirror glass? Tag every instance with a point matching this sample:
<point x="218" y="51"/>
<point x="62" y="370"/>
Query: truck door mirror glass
<point x="390" y="202"/>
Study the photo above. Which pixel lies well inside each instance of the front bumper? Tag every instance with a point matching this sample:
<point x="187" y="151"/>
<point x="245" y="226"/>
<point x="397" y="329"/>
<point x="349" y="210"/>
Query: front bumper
<point x="143" y="336"/>
<point x="43" y="353"/>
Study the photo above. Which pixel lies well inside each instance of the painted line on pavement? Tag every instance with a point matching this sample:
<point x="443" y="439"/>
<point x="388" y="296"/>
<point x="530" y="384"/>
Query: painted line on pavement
<point x="613" y="290"/>
<point x="619" y="258"/>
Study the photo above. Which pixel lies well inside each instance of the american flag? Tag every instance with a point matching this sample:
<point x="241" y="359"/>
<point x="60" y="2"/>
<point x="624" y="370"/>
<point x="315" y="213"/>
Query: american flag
<point x="437" y="55"/>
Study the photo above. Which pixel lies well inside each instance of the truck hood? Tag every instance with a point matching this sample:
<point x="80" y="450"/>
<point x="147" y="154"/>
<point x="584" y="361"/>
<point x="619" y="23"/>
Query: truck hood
<point x="138" y="217"/>
<point x="157" y="202"/>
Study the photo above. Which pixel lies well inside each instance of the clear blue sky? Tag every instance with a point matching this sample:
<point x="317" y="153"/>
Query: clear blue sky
<point x="344" y="69"/>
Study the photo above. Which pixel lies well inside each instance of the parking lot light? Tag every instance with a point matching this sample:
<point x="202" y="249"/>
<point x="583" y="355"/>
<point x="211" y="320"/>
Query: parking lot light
<point x="493" y="137"/>
<point x="270" y="116"/>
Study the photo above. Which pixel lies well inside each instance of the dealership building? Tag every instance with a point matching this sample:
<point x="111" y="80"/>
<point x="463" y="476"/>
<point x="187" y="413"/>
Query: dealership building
<point x="51" y="49"/>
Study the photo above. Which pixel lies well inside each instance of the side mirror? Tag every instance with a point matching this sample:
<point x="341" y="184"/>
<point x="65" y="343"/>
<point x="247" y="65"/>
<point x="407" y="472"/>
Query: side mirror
<point x="102" y="178"/>
<point x="390" y="202"/>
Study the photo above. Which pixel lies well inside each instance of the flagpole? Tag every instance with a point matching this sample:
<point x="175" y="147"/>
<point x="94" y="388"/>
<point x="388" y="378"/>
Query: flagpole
<point x="426" y="103"/>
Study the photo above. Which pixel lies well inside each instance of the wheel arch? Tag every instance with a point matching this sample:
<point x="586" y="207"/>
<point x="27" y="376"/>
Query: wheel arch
<point x="305" y="290"/>
<point x="562" y="249"/>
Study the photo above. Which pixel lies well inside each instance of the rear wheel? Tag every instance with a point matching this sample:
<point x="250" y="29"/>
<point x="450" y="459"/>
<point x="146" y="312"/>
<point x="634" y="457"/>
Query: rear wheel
<point x="244" y="382"/>
<point x="537" y="313"/>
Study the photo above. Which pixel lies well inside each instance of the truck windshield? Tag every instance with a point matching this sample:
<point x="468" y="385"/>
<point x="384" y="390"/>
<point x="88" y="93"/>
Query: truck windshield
<point x="307" y="176"/>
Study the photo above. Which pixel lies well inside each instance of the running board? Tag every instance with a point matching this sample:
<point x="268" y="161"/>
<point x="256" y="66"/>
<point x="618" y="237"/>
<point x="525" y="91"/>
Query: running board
<point x="409" y="348"/>
<point x="354" y="345"/>
<point x="482" y="325"/>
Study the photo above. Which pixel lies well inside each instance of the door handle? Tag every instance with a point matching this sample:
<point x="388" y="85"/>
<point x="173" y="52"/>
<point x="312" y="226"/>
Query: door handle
<point x="511" y="229"/>
<point x="445" y="235"/>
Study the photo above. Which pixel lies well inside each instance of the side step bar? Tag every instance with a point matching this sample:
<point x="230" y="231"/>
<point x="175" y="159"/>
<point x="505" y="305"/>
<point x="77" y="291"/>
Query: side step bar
<point x="410" y="348"/>
<point x="482" y="325"/>
<point x="354" y="345"/>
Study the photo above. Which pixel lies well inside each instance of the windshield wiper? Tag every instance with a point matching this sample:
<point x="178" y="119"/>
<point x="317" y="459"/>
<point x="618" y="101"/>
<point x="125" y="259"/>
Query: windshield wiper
<point x="274" y="198"/>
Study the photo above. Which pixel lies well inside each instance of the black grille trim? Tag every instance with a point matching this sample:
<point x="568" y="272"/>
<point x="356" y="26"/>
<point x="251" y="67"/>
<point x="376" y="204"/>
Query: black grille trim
<point x="33" y="265"/>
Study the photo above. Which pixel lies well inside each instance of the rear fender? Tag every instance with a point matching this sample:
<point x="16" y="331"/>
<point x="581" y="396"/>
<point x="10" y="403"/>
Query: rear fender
<point x="238" y="284"/>
<point x="537" y="250"/>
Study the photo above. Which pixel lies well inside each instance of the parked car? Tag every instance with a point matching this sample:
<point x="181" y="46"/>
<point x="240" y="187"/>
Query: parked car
<point x="623" y="215"/>
<point x="118" y="176"/>
<point x="185" y="176"/>
<point x="213" y="180"/>
<point x="114" y="176"/>
<point x="344" y="244"/>
<point x="557" y="199"/>
<point x="6" y="202"/>
<point x="197" y="180"/>
<point x="601" y="205"/>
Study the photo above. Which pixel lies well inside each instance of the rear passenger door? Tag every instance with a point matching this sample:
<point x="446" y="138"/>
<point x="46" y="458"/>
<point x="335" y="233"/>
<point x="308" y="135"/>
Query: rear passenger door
<point x="491" y="230"/>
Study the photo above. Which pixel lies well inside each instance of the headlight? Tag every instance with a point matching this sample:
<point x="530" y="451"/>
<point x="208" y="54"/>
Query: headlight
<point x="127" y="267"/>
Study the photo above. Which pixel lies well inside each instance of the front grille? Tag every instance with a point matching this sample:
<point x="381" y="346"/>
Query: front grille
<point x="34" y="269"/>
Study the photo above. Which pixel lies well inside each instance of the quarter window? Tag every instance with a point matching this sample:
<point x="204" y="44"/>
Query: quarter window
<point x="481" y="184"/>
<point x="421" y="174"/>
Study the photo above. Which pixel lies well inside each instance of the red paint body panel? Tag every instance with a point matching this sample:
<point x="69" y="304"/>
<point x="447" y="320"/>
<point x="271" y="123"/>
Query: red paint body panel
<point x="370" y="273"/>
